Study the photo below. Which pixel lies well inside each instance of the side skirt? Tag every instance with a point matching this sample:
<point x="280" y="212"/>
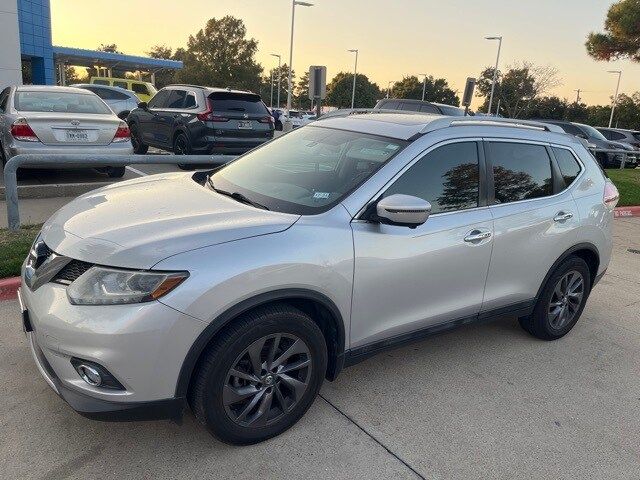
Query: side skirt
<point x="360" y="354"/>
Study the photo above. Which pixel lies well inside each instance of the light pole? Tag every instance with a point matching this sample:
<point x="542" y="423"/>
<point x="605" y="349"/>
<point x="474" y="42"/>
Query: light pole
<point x="355" y="74"/>
<point x="615" y="97"/>
<point x="424" y="84"/>
<point x="389" y="87"/>
<point x="495" y="71"/>
<point x="293" y="16"/>
<point x="279" y="77"/>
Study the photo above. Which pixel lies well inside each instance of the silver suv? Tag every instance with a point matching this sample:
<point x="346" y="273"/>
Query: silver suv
<point x="239" y="291"/>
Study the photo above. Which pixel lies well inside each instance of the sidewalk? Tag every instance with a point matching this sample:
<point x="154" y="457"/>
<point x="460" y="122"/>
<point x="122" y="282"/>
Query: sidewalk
<point x="34" y="210"/>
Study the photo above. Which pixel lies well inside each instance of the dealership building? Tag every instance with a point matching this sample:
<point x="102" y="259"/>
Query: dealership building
<point x="25" y="40"/>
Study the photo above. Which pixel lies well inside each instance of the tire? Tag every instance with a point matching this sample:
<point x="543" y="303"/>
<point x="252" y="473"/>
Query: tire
<point x="214" y="394"/>
<point x="558" y="308"/>
<point x="139" y="148"/>
<point x="182" y="146"/>
<point x="116" y="172"/>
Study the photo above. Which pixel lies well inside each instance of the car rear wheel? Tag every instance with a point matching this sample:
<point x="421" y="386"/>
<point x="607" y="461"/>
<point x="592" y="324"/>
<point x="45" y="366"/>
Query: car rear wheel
<point x="116" y="172"/>
<point x="139" y="148"/>
<point x="260" y="376"/>
<point x="561" y="302"/>
<point x="181" y="146"/>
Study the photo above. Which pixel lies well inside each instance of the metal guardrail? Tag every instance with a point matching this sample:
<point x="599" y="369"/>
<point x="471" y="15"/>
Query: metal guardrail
<point x="626" y="154"/>
<point x="79" y="160"/>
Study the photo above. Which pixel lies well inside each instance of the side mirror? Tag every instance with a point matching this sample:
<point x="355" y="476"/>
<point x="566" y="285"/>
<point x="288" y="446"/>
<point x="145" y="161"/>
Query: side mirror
<point x="403" y="210"/>
<point x="143" y="105"/>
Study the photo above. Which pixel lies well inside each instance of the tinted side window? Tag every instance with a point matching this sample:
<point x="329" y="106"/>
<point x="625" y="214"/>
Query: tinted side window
<point x="389" y="105"/>
<point x="571" y="129"/>
<point x="569" y="166"/>
<point x="447" y="177"/>
<point x="140" y="88"/>
<point x="429" y="109"/>
<point x="176" y="99"/>
<point x="410" y="106"/>
<point x="190" y="102"/>
<point x="4" y="99"/>
<point x="101" y="82"/>
<point x="520" y="171"/>
<point x="616" y="136"/>
<point x="159" y="99"/>
<point x="120" y="84"/>
<point x="607" y="134"/>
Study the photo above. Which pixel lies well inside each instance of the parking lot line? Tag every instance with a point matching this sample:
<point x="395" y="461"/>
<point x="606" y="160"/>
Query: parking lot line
<point x="137" y="172"/>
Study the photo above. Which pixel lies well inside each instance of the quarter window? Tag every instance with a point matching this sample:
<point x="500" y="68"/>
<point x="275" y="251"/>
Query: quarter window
<point x="569" y="166"/>
<point x="190" y="102"/>
<point x="447" y="177"/>
<point x="520" y="171"/>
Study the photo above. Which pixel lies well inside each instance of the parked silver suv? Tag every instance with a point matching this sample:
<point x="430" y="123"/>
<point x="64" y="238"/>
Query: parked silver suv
<point x="240" y="291"/>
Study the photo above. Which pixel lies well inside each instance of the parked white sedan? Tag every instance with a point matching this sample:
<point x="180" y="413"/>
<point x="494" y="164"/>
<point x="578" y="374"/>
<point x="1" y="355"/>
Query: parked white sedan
<point x="48" y="119"/>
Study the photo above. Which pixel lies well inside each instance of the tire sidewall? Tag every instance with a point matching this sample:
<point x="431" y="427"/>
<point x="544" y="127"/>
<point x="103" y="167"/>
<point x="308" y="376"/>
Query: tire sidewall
<point x="541" y="316"/>
<point x="215" y="415"/>
<point x="187" y="144"/>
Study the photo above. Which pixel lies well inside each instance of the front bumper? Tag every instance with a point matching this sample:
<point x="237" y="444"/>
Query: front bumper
<point x="143" y="346"/>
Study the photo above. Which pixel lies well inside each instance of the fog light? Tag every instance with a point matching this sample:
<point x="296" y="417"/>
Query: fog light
<point x="89" y="374"/>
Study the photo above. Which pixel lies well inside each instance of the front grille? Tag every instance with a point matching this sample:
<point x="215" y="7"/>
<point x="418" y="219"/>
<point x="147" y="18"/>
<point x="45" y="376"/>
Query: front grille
<point x="71" y="271"/>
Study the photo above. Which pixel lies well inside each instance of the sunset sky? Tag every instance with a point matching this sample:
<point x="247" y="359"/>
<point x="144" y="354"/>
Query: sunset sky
<point x="395" y="38"/>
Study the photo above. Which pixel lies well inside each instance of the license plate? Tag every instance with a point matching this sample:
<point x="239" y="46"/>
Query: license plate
<point x="245" y="125"/>
<point x="77" y="136"/>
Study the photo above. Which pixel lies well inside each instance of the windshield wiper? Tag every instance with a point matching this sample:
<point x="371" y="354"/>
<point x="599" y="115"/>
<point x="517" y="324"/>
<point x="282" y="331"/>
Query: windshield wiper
<point x="236" y="196"/>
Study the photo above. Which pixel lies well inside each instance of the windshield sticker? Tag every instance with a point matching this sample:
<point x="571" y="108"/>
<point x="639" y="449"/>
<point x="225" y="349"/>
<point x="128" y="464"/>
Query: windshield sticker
<point x="320" y="195"/>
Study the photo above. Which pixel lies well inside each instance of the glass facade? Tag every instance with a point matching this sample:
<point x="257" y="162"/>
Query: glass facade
<point x="34" y="17"/>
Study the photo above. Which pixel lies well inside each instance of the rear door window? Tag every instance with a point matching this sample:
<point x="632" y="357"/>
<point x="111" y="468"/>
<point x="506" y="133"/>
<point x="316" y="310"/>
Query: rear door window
<point x="520" y="171"/>
<point x="140" y="88"/>
<point x="176" y="99"/>
<point x="428" y="109"/>
<point x="389" y="105"/>
<point x="410" y="106"/>
<point x="190" y="101"/>
<point x="238" y="102"/>
<point x="569" y="166"/>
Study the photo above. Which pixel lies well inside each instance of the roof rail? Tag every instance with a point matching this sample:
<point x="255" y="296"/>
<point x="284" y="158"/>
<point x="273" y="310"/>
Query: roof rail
<point x="346" y="112"/>
<point x="491" y="122"/>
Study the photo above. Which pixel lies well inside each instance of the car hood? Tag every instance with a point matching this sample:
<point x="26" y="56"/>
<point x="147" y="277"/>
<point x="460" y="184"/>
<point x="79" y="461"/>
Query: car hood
<point x="139" y="222"/>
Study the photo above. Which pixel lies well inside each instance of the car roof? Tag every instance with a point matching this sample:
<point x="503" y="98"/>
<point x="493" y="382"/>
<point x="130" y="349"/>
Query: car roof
<point x="51" y="88"/>
<point x="405" y="126"/>
<point x="209" y="89"/>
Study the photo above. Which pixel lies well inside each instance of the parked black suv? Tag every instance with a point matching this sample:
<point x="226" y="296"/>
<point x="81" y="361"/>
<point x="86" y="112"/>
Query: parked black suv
<point x="418" y="106"/>
<point x="188" y="119"/>
<point x="597" y="141"/>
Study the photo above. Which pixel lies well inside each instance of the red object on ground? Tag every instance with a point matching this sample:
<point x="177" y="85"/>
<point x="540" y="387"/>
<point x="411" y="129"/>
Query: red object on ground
<point x="9" y="288"/>
<point x="622" y="212"/>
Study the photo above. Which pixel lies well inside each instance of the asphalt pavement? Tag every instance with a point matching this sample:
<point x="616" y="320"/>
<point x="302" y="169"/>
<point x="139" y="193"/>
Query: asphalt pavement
<point x="482" y="402"/>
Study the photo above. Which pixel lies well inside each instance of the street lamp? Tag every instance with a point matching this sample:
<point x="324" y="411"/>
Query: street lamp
<point x="293" y="16"/>
<point x="495" y="71"/>
<point x="389" y="87"/>
<point x="355" y="74"/>
<point x="615" y="97"/>
<point x="424" y="83"/>
<point x="279" y="77"/>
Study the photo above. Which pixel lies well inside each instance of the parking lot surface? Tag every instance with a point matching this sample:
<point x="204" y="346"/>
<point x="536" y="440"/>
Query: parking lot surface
<point x="484" y="401"/>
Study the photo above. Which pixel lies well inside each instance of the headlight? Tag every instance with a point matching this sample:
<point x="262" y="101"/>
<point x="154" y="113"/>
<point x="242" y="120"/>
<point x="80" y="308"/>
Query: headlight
<point x="111" y="286"/>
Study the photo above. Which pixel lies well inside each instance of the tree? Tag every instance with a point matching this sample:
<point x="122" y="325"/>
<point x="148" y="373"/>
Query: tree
<point x="301" y="99"/>
<point x="110" y="47"/>
<point x="163" y="77"/>
<point x="621" y="37"/>
<point x="551" y="108"/>
<point x="340" y="88"/>
<point x="517" y="88"/>
<point x="437" y="90"/>
<point x="265" y="87"/>
<point x="220" y="55"/>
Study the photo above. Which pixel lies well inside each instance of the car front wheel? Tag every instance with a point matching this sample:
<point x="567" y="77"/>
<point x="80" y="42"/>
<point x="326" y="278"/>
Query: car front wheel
<point x="260" y="375"/>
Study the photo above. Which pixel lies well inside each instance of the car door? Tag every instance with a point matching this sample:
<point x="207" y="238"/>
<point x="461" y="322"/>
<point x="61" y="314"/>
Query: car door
<point x="166" y="118"/>
<point x="408" y="279"/>
<point x="535" y="221"/>
<point x="145" y="118"/>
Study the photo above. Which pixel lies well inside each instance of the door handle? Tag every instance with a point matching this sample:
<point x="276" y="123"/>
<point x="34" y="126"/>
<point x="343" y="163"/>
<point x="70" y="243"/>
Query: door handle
<point x="562" y="216"/>
<point x="476" y="236"/>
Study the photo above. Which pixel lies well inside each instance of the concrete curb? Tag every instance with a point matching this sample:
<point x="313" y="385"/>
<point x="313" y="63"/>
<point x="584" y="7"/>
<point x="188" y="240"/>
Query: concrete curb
<point x="55" y="190"/>
<point x="625" y="212"/>
<point x="9" y="288"/>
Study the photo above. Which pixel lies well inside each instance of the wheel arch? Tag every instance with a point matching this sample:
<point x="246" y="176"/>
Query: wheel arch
<point x="587" y="251"/>
<point x="320" y="307"/>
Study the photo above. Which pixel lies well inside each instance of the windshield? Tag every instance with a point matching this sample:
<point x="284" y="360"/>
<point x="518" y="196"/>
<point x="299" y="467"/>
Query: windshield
<point x="306" y="171"/>
<point x="592" y="132"/>
<point x="63" y="102"/>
